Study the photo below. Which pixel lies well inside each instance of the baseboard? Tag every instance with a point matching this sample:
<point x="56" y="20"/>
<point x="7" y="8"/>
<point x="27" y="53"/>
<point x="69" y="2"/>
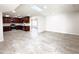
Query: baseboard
<point x="62" y="32"/>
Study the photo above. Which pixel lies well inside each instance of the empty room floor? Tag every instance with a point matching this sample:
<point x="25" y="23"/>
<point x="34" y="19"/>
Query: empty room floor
<point x="21" y="42"/>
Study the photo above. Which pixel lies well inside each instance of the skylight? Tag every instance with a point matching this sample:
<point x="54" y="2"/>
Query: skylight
<point x="36" y="8"/>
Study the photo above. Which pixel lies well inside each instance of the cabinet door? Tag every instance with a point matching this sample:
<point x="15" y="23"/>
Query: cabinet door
<point x="26" y="28"/>
<point x="15" y="20"/>
<point x="19" y="27"/>
<point x="26" y="20"/>
<point x="20" y="20"/>
<point x="6" y="28"/>
<point x="6" y="20"/>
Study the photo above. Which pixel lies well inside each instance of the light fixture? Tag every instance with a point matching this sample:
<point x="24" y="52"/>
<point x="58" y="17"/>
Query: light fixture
<point x="7" y="10"/>
<point x="36" y="8"/>
<point x="19" y="16"/>
<point x="15" y="16"/>
<point x="7" y="15"/>
<point x="45" y="7"/>
<point x="13" y="11"/>
<point x="28" y="14"/>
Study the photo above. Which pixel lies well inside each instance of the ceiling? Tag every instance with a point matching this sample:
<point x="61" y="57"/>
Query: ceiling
<point x="8" y="7"/>
<point x="47" y="9"/>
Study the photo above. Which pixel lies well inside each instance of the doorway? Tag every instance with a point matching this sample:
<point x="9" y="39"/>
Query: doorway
<point x="34" y="27"/>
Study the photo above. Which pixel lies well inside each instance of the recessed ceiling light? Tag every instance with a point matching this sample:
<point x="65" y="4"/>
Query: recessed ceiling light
<point x="7" y="15"/>
<point x="45" y="7"/>
<point x="15" y="16"/>
<point x="7" y="10"/>
<point x="19" y="16"/>
<point x="13" y="11"/>
<point x="28" y="14"/>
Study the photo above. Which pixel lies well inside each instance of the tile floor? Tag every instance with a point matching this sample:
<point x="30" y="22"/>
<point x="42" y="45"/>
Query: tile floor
<point x="21" y="42"/>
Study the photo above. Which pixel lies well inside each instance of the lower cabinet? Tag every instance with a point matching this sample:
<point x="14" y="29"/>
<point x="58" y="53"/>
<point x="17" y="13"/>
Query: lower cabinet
<point x="19" y="27"/>
<point x="6" y="28"/>
<point x="26" y="28"/>
<point x="9" y="28"/>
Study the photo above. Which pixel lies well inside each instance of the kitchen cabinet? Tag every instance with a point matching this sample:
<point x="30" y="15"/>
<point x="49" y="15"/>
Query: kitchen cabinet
<point x="15" y="20"/>
<point x="6" y="28"/>
<point x="26" y="19"/>
<point x="6" y="19"/>
<point x="20" y="20"/>
<point x="26" y="28"/>
<point x="19" y="27"/>
<point x="16" y="23"/>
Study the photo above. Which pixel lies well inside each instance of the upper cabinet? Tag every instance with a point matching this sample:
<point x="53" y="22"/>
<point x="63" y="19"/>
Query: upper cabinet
<point x="26" y="19"/>
<point x="21" y="26"/>
<point x="6" y="19"/>
<point x="16" y="20"/>
<point x="20" y="20"/>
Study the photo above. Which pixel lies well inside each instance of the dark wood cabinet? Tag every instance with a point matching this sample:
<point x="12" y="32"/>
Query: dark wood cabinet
<point x="19" y="27"/>
<point x="26" y="19"/>
<point x="20" y="20"/>
<point x="26" y="28"/>
<point x="6" y="28"/>
<point x="6" y="19"/>
<point x="14" y="21"/>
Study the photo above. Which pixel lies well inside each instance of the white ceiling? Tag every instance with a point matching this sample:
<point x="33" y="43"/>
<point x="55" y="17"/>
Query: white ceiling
<point x="8" y="7"/>
<point x="26" y="10"/>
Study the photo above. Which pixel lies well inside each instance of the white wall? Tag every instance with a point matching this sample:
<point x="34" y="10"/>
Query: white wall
<point x="63" y="23"/>
<point x="1" y="27"/>
<point x="41" y="24"/>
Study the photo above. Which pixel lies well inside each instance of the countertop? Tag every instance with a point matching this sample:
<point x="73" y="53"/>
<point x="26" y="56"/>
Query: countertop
<point x="17" y="24"/>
